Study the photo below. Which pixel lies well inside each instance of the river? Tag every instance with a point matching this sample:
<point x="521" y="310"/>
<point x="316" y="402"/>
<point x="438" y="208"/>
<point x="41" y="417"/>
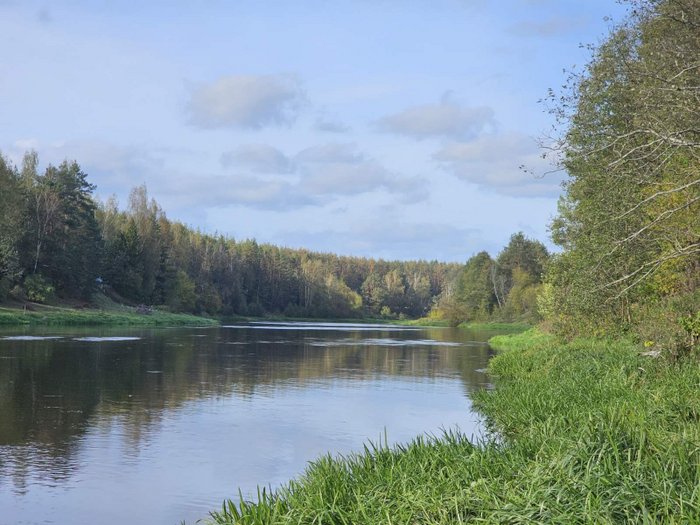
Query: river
<point x="126" y="425"/>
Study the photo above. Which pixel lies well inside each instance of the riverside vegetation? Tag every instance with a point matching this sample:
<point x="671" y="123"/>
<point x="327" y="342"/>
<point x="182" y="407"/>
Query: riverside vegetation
<point x="595" y="416"/>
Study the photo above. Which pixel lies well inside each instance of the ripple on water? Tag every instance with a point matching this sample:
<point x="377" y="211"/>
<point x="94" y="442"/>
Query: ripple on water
<point x="332" y="327"/>
<point x="381" y="342"/>
<point x="100" y="339"/>
<point x="30" y="337"/>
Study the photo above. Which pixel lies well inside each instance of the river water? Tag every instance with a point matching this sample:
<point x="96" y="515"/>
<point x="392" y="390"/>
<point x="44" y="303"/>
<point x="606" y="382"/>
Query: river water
<point x="116" y="426"/>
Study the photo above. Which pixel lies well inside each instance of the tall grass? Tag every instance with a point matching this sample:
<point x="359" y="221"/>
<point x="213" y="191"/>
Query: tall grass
<point x="587" y="432"/>
<point x="495" y="325"/>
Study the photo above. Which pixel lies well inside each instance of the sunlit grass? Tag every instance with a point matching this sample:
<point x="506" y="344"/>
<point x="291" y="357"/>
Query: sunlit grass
<point x="68" y="316"/>
<point x="588" y="432"/>
<point x="495" y="325"/>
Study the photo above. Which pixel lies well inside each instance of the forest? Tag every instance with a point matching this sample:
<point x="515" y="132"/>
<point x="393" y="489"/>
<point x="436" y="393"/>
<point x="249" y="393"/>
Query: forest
<point x="57" y="242"/>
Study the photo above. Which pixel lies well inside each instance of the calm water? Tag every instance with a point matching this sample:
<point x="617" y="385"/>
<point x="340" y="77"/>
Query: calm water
<point x="160" y="425"/>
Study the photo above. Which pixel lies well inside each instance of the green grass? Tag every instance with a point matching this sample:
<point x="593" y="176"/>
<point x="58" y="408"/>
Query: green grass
<point x="422" y="321"/>
<point x="74" y="317"/>
<point x="496" y="326"/>
<point x="588" y="432"/>
<point x="469" y="325"/>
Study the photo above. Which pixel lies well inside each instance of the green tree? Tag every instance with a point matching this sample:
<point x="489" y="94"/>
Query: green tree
<point x="630" y="127"/>
<point x="11" y="226"/>
<point x="527" y="255"/>
<point x="62" y="240"/>
<point x="373" y="293"/>
<point x="75" y="247"/>
<point x="474" y="292"/>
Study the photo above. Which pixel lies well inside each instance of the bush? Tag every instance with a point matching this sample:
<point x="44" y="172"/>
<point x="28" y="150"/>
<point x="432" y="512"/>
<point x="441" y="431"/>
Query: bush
<point x="38" y="289"/>
<point x="670" y="325"/>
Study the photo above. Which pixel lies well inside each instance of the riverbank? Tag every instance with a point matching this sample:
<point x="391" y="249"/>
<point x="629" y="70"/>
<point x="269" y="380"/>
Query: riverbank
<point x="590" y="432"/>
<point x="108" y="312"/>
<point x="468" y="325"/>
<point x="51" y="315"/>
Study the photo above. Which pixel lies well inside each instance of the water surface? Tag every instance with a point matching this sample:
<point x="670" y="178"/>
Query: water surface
<point x="155" y="426"/>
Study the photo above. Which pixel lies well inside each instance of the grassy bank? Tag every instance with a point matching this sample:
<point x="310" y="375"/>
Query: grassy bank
<point x="285" y="319"/>
<point x="590" y="432"/>
<point x="495" y="326"/>
<point x="74" y="317"/>
<point x="468" y="325"/>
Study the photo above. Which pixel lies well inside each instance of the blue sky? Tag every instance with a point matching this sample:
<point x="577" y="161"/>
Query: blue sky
<point x="380" y="128"/>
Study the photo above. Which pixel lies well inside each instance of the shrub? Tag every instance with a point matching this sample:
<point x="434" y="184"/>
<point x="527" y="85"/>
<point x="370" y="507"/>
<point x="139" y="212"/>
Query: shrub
<point x="38" y="289"/>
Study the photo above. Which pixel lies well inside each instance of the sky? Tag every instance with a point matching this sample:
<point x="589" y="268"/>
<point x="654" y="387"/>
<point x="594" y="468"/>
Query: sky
<point x="379" y="128"/>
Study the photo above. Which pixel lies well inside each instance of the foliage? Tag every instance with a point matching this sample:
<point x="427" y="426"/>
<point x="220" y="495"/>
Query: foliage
<point x="474" y="293"/>
<point x="504" y="289"/>
<point x="38" y="289"/>
<point x="10" y="222"/>
<point x="10" y="269"/>
<point x="629" y="221"/>
<point x="669" y="325"/>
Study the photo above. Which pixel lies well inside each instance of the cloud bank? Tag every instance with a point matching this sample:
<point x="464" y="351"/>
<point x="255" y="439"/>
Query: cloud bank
<point x="502" y="164"/>
<point x="341" y="169"/>
<point x="247" y="102"/>
<point x="258" y="158"/>
<point x="447" y="119"/>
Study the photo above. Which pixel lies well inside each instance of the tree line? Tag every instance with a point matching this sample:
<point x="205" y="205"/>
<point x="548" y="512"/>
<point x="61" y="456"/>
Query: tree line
<point x="57" y="241"/>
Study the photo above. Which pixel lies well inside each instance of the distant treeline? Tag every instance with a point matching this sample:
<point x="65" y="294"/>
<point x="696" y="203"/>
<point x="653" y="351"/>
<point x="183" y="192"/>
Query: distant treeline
<point x="56" y="241"/>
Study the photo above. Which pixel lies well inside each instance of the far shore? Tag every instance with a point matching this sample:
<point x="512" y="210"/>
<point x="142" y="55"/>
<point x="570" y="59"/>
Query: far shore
<point x="42" y="315"/>
<point x="35" y="314"/>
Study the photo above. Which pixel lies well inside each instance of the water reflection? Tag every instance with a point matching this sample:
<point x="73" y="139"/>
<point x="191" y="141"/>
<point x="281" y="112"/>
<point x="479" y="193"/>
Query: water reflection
<point x="119" y="412"/>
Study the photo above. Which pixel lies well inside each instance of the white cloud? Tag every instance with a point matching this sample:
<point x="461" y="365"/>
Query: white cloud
<point x="447" y="119"/>
<point x="343" y="178"/>
<point x="26" y="144"/>
<point x="249" y="102"/>
<point x="258" y="158"/>
<point x="341" y="169"/>
<point x="314" y="176"/>
<point x="186" y="190"/>
<point x="503" y="164"/>
<point x="122" y="161"/>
